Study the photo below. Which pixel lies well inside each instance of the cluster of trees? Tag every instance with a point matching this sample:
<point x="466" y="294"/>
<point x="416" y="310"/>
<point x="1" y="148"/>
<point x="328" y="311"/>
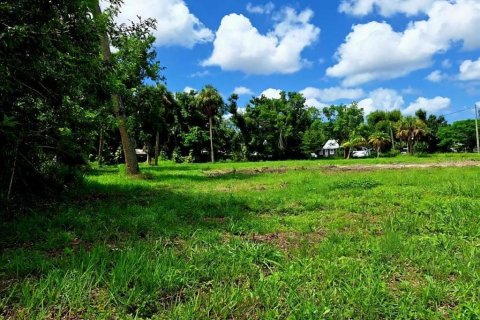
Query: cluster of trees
<point x="200" y="126"/>
<point x="66" y="99"/>
<point x="59" y="83"/>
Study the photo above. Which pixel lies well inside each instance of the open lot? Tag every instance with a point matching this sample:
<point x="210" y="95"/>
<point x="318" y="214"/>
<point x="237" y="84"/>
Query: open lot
<point x="294" y="239"/>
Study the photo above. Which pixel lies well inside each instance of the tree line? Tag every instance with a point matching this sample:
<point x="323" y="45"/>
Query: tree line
<point x="199" y="126"/>
<point x="66" y="99"/>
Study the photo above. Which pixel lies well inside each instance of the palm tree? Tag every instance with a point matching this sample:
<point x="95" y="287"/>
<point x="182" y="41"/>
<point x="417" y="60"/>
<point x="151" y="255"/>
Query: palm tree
<point x="410" y="130"/>
<point x="210" y="101"/>
<point x="379" y="140"/>
<point x="353" y="142"/>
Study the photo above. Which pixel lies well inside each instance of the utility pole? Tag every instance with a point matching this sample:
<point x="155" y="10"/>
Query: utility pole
<point x="476" y="128"/>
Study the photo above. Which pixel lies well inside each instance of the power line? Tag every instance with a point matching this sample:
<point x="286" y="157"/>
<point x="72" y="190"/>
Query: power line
<point x="458" y="111"/>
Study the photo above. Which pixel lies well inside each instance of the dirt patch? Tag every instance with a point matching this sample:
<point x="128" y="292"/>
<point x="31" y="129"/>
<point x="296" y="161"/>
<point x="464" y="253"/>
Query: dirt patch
<point x="362" y="224"/>
<point x="54" y="314"/>
<point x="6" y="284"/>
<point x="219" y="173"/>
<point x="396" y="166"/>
<point x="345" y="168"/>
<point x="218" y="220"/>
<point x="411" y="275"/>
<point x="66" y="315"/>
<point x="170" y="299"/>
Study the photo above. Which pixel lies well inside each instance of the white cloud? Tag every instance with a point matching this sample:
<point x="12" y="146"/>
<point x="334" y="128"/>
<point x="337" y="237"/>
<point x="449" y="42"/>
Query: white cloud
<point x="243" y="91"/>
<point x="470" y="70"/>
<point x="374" y="51"/>
<point x="239" y="46"/>
<point x="436" y="76"/>
<point x="312" y="102"/>
<point x="271" y="93"/>
<point x="430" y="105"/>
<point x="382" y="99"/>
<point x="411" y="91"/>
<point x="175" y="24"/>
<point x="446" y="64"/>
<point x="199" y="74"/>
<point x="188" y="89"/>
<point x="332" y="94"/>
<point x="385" y="7"/>
<point x="265" y="9"/>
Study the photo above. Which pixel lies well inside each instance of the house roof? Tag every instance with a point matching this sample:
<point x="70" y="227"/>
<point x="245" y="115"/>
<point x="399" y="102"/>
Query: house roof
<point x="140" y="152"/>
<point x="331" y="144"/>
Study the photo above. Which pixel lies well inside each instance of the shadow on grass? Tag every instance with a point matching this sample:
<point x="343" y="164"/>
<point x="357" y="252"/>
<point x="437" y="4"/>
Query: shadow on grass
<point x="99" y="212"/>
<point x="126" y="239"/>
<point x="193" y="174"/>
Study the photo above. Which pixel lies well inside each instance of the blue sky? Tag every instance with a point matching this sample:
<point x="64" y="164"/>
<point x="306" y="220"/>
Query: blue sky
<point x="384" y="54"/>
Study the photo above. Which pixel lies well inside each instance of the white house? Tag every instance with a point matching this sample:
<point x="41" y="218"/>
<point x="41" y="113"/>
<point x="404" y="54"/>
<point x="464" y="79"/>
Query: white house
<point x="330" y="148"/>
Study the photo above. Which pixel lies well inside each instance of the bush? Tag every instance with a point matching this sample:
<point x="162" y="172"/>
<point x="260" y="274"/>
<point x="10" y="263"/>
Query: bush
<point x="420" y="147"/>
<point x="391" y="154"/>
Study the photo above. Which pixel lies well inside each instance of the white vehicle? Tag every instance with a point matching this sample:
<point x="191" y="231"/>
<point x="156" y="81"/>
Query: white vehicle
<point x="361" y="153"/>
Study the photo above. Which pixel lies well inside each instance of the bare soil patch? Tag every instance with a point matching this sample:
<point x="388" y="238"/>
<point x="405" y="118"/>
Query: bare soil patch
<point x="346" y="168"/>
<point x="393" y="166"/>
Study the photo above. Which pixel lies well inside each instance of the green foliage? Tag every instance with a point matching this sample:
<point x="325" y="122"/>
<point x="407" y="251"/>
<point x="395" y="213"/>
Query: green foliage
<point x="55" y="89"/>
<point x="50" y="81"/>
<point x="344" y="122"/>
<point x="210" y="102"/>
<point x="274" y="128"/>
<point x="434" y="124"/>
<point x="314" y="139"/>
<point x="379" y="140"/>
<point x="410" y="130"/>
<point x="460" y="136"/>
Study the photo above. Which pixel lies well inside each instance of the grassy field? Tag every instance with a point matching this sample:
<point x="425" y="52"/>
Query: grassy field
<point x="226" y="241"/>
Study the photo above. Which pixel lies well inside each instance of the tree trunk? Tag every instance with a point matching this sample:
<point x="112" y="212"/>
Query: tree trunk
<point x="149" y="160"/>
<point x="378" y="152"/>
<point x="210" y="121"/>
<point x="128" y="148"/>
<point x="157" y="147"/>
<point x="100" y="148"/>
<point x="410" y="147"/>
<point x="392" y="137"/>
<point x="14" y="167"/>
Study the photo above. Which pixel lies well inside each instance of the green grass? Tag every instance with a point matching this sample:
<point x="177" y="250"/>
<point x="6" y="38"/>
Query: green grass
<point x="305" y="243"/>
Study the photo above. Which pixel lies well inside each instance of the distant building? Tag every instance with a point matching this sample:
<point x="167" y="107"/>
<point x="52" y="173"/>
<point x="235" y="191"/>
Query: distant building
<point x="141" y="155"/>
<point x="330" y="149"/>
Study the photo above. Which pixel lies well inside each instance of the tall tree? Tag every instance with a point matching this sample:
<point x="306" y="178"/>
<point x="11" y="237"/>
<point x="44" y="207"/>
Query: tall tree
<point x="384" y="121"/>
<point x="433" y="123"/>
<point x="274" y="128"/>
<point x="379" y="140"/>
<point x="150" y="108"/>
<point x="314" y="138"/>
<point x="411" y="130"/>
<point x="343" y="120"/>
<point x="353" y="142"/>
<point x="210" y="102"/>
<point x="117" y="101"/>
